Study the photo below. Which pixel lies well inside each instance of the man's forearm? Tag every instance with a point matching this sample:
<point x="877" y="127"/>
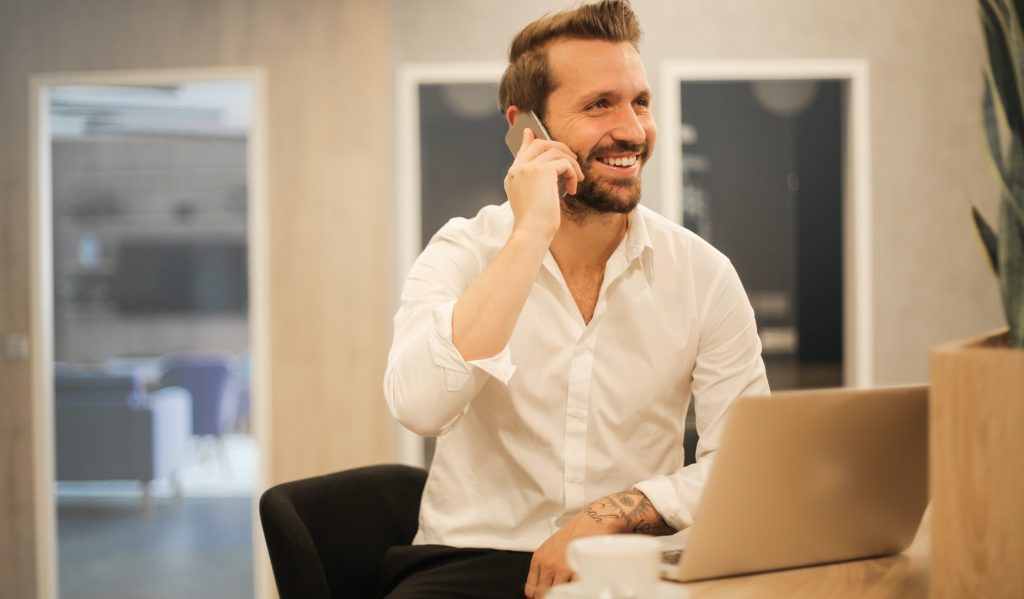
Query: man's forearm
<point x="486" y="314"/>
<point x="628" y="512"/>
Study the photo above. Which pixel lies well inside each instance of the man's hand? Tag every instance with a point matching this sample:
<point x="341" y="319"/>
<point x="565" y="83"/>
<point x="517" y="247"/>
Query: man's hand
<point x="532" y="183"/>
<point x="626" y="512"/>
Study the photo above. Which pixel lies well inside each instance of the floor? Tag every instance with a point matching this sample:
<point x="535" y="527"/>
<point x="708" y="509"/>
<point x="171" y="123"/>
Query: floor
<point x="111" y="546"/>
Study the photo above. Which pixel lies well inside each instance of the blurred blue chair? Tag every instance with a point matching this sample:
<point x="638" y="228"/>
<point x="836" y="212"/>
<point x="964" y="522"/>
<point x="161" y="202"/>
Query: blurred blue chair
<point x="210" y="378"/>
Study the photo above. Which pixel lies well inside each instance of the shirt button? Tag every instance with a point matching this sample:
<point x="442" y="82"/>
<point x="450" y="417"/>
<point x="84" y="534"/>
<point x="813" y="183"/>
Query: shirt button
<point x="577" y="414"/>
<point x="575" y="479"/>
<point x="581" y="349"/>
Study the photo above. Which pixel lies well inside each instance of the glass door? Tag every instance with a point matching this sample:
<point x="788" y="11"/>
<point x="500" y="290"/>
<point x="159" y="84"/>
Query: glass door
<point x="155" y="462"/>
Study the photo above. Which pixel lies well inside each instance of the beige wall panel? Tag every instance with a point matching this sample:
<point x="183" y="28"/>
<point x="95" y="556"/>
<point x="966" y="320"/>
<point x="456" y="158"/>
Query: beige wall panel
<point x="329" y="110"/>
<point x="17" y="538"/>
<point x="330" y="151"/>
<point x="930" y="280"/>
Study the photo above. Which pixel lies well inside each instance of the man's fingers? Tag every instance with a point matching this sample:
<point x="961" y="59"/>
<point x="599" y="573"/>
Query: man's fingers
<point x="527" y="149"/>
<point x="575" y="170"/>
<point x="572" y="183"/>
<point x="543" y="575"/>
<point x="531" y="579"/>
<point x="568" y="171"/>
<point x="555" y="153"/>
<point x="534" y="146"/>
<point x="528" y="136"/>
<point x="576" y="166"/>
<point x="545" y="580"/>
<point x="562" y="576"/>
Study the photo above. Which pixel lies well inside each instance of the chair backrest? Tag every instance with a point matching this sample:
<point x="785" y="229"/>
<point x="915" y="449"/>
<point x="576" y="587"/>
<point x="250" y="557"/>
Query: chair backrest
<point x="326" y="535"/>
<point x="82" y="387"/>
<point x="209" y="379"/>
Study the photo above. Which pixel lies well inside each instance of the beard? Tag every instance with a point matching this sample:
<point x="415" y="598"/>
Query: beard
<point x="596" y="196"/>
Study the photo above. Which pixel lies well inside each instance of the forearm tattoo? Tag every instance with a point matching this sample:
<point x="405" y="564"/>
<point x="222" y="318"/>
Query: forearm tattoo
<point x="634" y="511"/>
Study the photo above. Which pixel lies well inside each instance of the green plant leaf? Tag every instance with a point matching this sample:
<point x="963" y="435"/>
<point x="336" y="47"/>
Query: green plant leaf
<point x="1001" y="65"/>
<point x="1011" y="271"/>
<point x="987" y="237"/>
<point x="988" y="112"/>
<point x="1009" y="20"/>
<point x="1003" y="25"/>
<point x="1013" y="174"/>
<point x="1006" y="169"/>
<point x="1015" y="17"/>
<point x="1014" y="29"/>
<point x="1018" y="7"/>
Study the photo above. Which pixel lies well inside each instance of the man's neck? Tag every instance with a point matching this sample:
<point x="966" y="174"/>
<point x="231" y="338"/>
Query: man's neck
<point x="587" y="243"/>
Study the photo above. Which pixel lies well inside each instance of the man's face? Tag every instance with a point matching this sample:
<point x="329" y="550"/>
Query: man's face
<point x="600" y="108"/>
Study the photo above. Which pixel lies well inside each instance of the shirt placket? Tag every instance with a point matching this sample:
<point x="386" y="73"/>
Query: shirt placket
<point x="581" y="370"/>
<point x="577" y="408"/>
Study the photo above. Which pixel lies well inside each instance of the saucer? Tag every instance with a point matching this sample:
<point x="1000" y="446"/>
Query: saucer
<point x="574" y="590"/>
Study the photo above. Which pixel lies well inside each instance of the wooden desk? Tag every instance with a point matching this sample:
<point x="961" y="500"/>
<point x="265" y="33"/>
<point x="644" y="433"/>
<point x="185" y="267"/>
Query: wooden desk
<point x="903" y="576"/>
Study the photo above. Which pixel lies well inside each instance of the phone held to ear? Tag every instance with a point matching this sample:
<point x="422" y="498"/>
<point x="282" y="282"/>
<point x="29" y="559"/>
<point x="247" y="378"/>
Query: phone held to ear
<point x="514" y="138"/>
<point x="526" y="120"/>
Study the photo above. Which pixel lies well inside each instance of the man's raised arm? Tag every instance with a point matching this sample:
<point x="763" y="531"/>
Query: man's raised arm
<point x="486" y="314"/>
<point x="453" y="327"/>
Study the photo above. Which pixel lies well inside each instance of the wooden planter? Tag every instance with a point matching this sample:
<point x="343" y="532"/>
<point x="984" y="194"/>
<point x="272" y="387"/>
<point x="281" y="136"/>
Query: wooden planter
<point x="977" y="471"/>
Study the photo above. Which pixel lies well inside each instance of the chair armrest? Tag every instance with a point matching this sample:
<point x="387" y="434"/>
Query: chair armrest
<point x="327" y="534"/>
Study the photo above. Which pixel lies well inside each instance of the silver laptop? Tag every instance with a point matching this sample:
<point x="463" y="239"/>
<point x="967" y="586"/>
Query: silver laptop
<point x="809" y="477"/>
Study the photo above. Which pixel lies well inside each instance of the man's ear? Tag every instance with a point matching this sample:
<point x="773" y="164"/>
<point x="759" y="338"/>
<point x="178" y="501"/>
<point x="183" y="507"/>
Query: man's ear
<point x="512" y="114"/>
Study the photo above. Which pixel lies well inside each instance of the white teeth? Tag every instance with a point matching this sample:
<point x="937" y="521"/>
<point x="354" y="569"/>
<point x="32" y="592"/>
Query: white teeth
<point x="620" y="161"/>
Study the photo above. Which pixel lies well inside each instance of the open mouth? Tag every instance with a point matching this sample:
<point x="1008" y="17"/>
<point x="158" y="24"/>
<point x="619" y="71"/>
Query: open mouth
<point x="620" y="161"/>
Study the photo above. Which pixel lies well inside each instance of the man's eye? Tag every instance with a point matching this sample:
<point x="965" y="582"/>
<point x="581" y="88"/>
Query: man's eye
<point x="645" y="102"/>
<point x="599" y="104"/>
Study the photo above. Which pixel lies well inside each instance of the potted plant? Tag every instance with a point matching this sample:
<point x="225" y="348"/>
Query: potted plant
<point x="977" y="396"/>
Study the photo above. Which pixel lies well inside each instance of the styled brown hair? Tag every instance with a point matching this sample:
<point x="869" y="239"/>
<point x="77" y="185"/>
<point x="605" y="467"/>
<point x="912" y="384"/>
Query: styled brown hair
<point x="527" y="81"/>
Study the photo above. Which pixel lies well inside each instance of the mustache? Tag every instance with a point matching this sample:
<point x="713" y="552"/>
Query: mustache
<point x="618" y="147"/>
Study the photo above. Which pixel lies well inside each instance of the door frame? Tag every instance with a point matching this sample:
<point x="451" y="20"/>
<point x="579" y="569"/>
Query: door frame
<point x="409" y="185"/>
<point x="42" y="295"/>
<point x="858" y="319"/>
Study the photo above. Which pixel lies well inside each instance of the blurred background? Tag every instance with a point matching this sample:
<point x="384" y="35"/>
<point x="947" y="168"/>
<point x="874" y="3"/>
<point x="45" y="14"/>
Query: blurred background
<point x="231" y="193"/>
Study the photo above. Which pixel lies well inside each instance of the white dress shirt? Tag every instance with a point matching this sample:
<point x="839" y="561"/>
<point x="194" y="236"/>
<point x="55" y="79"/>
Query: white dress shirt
<point x="569" y="412"/>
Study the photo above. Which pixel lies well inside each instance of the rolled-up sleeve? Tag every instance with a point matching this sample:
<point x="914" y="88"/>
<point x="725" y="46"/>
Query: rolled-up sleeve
<point x="428" y="386"/>
<point x="728" y="365"/>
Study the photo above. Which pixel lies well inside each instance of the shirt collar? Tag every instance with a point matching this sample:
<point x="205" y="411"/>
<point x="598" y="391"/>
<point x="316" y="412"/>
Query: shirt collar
<point x="637" y="237"/>
<point x="631" y="247"/>
<point x="637" y="243"/>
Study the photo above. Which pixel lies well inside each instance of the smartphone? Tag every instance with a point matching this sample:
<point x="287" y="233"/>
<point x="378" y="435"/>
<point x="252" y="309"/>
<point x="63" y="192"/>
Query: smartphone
<point x="514" y="138"/>
<point x="526" y="120"/>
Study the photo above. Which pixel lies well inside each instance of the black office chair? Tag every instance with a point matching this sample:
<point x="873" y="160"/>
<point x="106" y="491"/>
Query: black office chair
<point x="326" y="535"/>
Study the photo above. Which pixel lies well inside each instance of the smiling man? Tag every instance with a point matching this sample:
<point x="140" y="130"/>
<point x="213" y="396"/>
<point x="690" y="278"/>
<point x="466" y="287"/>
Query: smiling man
<point x="553" y="344"/>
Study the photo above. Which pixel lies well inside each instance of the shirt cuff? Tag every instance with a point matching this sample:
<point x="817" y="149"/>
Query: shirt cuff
<point x="662" y="494"/>
<point x="447" y="356"/>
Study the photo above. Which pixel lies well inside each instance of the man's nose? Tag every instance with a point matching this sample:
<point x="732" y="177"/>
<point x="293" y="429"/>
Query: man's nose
<point x="628" y="128"/>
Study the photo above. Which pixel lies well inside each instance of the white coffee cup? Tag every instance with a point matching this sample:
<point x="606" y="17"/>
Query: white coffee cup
<point x="616" y="566"/>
